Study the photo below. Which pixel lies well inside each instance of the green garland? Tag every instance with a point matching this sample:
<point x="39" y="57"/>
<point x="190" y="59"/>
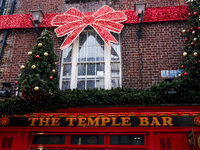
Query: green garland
<point x="176" y="92"/>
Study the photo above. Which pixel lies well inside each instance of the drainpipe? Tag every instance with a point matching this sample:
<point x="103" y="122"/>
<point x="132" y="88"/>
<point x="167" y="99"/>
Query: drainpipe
<point x="6" y="31"/>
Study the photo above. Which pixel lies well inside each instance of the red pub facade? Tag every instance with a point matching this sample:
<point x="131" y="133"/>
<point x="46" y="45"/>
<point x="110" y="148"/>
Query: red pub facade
<point x="105" y="128"/>
<point x="134" y="63"/>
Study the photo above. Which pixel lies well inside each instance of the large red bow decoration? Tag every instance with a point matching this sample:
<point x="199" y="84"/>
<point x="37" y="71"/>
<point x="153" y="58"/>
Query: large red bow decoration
<point x="103" y="20"/>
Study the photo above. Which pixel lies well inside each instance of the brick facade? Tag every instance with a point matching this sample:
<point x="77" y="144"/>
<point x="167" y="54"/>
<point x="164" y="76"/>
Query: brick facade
<point x="161" y="44"/>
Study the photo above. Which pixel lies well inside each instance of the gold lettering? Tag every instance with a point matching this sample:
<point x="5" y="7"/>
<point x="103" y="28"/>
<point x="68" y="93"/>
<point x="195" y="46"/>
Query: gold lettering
<point x="125" y="121"/>
<point x="104" y="121"/>
<point x="114" y="122"/>
<point x="54" y="122"/>
<point x="167" y="121"/>
<point x="32" y="121"/>
<point x="94" y="122"/>
<point x="42" y="121"/>
<point x="155" y="122"/>
<point x="143" y="121"/>
<point x="81" y="122"/>
<point x="71" y="121"/>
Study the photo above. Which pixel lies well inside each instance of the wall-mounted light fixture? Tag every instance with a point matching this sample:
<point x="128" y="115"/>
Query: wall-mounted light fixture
<point x="6" y="89"/>
<point x="38" y="16"/>
<point x="140" y="8"/>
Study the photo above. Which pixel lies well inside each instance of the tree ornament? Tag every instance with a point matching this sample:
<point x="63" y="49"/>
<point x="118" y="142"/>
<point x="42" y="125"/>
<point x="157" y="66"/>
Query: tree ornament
<point x="22" y="67"/>
<point x="33" y="66"/>
<point x="189" y="14"/>
<point x="29" y="53"/>
<point x="193" y="32"/>
<point x="186" y="2"/>
<point x="179" y="75"/>
<point x="183" y="31"/>
<point x="199" y="61"/>
<point x="195" y="13"/>
<point x="195" y="39"/>
<point x="184" y="54"/>
<point x="191" y="28"/>
<point x="188" y="30"/>
<point x="53" y="70"/>
<point x="36" y="88"/>
<point x="50" y="77"/>
<point x="198" y="28"/>
<point x="185" y="74"/>
<point x="186" y="40"/>
<point x="195" y="54"/>
<point x="46" y="54"/>
<point x="192" y="43"/>
<point x="16" y="82"/>
<point x="182" y="67"/>
<point x="37" y="56"/>
<point x="40" y="44"/>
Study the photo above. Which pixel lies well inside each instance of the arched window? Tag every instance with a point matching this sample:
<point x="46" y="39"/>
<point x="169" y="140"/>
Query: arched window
<point x="90" y="63"/>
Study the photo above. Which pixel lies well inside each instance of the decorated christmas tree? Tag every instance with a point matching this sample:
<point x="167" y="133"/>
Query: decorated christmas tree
<point x="39" y="76"/>
<point x="191" y="65"/>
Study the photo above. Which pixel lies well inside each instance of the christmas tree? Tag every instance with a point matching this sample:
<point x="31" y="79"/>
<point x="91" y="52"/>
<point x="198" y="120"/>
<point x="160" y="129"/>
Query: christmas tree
<point x="191" y="65"/>
<point x="39" y="76"/>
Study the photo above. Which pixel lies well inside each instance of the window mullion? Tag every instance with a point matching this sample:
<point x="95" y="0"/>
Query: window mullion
<point x="74" y="72"/>
<point x="61" y="72"/>
<point x="107" y="67"/>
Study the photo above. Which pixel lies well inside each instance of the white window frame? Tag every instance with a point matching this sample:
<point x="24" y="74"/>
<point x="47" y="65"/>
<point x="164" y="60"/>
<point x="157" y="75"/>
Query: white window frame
<point x="107" y="67"/>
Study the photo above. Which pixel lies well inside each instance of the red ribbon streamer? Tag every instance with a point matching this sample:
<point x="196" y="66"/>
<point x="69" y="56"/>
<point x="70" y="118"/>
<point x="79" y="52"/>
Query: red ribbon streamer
<point x="73" y="22"/>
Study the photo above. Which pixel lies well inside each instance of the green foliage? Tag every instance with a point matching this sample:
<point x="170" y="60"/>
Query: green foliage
<point x="176" y="92"/>
<point x="191" y="64"/>
<point x="45" y="68"/>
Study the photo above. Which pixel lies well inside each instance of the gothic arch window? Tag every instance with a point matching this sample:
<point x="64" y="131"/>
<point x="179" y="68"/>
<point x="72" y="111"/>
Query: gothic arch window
<point x="90" y="63"/>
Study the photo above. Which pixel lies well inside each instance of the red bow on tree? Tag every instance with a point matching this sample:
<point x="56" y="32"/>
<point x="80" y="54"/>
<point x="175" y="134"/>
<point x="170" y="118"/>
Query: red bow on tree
<point x="103" y="20"/>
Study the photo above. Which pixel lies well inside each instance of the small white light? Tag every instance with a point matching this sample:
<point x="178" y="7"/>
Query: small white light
<point x="140" y="11"/>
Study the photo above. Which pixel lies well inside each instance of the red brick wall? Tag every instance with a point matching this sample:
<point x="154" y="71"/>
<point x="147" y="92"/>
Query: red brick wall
<point x="162" y="43"/>
<point x="162" y="46"/>
<point x="59" y="6"/>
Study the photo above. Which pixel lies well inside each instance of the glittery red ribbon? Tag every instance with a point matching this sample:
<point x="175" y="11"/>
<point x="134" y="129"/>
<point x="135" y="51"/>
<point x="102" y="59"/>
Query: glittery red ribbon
<point x="103" y="20"/>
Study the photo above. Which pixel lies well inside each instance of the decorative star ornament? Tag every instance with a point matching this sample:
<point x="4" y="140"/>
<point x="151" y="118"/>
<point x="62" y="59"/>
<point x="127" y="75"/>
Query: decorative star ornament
<point x="73" y="22"/>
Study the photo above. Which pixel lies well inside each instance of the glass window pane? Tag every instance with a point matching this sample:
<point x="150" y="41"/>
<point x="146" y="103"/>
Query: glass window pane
<point x="100" y="69"/>
<point x="91" y="84"/>
<point x="67" y="70"/>
<point x="99" y="53"/>
<point x="82" y="54"/>
<point x="115" y="82"/>
<point x="100" y="83"/>
<point x="82" y="39"/>
<point x="87" y="140"/>
<point x="91" y="69"/>
<point x="91" y="54"/>
<point x="49" y="139"/>
<point x="67" y="54"/>
<point x="126" y="140"/>
<point x="114" y="54"/>
<point x="99" y="40"/>
<point x="115" y="69"/>
<point x="81" y="69"/>
<point x="91" y="39"/>
<point x="65" y="85"/>
<point x="116" y="35"/>
<point x="81" y="85"/>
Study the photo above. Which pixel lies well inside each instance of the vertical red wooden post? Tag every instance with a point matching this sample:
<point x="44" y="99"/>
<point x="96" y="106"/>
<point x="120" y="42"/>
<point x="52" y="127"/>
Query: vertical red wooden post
<point x="150" y="141"/>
